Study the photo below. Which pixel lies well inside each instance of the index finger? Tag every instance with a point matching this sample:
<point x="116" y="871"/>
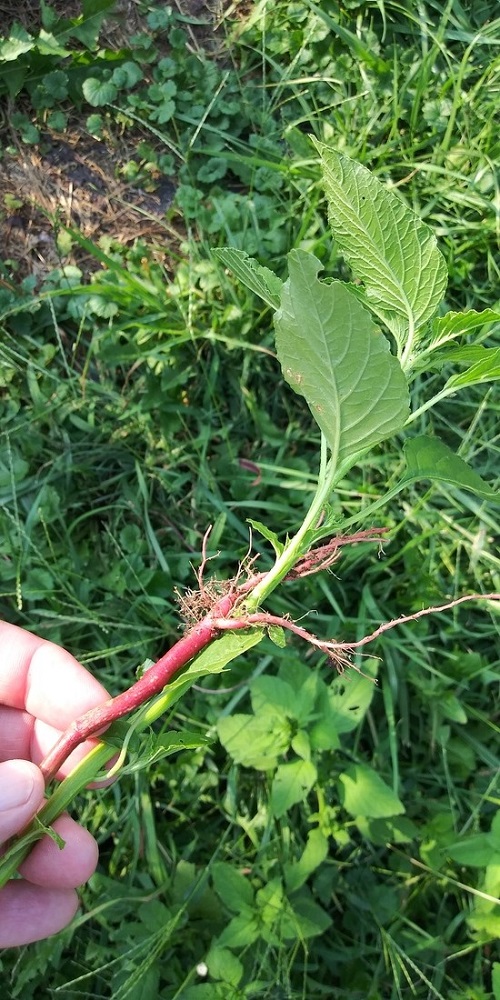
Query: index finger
<point x="41" y="678"/>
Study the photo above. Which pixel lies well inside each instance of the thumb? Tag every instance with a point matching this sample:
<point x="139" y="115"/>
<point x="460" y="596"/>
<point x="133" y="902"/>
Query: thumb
<point x="21" y="793"/>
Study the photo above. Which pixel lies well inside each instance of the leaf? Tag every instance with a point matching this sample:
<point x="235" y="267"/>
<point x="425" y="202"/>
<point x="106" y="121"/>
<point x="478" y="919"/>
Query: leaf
<point x="211" y="660"/>
<point x="277" y="635"/>
<point x="485" y="367"/>
<point x="476" y="851"/>
<point x="349" y="698"/>
<point x="127" y="75"/>
<point x="255" y="742"/>
<point x="495" y="980"/>
<point x="361" y="52"/>
<point x="398" y="830"/>
<point x="363" y="793"/>
<point x="312" y="857"/>
<point x="291" y="784"/>
<point x="429" y="458"/>
<point x="274" y="695"/>
<point x="311" y="918"/>
<point x="387" y="246"/>
<point x="90" y="22"/>
<point x="457" y="324"/>
<point x="332" y="354"/>
<point x="232" y="887"/>
<point x="266" y="533"/>
<point x="240" y="932"/>
<point x="257" y="278"/>
<point x="223" y="966"/>
<point x="16" y="44"/>
<point x="99" y="92"/>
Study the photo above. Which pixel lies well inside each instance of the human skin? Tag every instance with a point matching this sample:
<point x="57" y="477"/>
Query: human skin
<point x="42" y="689"/>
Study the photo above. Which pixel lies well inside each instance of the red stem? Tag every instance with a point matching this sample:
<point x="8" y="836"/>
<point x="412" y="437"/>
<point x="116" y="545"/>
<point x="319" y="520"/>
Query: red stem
<point x="150" y="684"/>
<point x="197" y="638"/>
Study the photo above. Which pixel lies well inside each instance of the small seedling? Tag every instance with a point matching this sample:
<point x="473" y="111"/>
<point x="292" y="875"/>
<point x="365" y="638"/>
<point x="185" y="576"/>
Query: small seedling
<point x="352" y="351"/>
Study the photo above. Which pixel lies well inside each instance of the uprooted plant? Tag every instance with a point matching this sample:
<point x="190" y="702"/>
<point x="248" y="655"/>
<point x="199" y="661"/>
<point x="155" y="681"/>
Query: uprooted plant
<point x="332" y="344"/>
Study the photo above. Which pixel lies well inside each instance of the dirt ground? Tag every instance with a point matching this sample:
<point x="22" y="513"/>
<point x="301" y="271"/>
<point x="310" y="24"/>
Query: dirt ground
<point x="74" y="179"/>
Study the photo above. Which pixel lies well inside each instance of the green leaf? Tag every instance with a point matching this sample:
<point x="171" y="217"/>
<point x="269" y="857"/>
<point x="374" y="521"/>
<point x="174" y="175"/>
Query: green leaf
<point x="495" y="980"/>
<point x="274" y="695"/>
<point x="310" y="919"/>
<point x="456" y="324"/>
<point x="476" y="851"/>
<point x="224" y="966"/>
<point x="429" y="458"/>
<point x="387" y="246"/>
<point x="127" y="75"/>
<point x="485" y="367"/>
<point x="48" y="45"/>
<point x="232" y="887"/>
<point x="255" y="742"/>
<point x="395" y="830"/>
<point x="257" y="278"/>
<point x="266" y="533"/>
<point x="90" y="22"/>
<point x="277" y="635"/>
<point x="333" y="355"/>
<point x="211" y="660"/>
<point x="292" y="783"/>
<point x="99" y="92"/>
<point x="361" y="52"/>
<point x="349" y="698"/>
<point x="16" y="44"/>
<point x="363" y="793"/>
<point x="241" y="931"/>
<point x="312" y="857"/>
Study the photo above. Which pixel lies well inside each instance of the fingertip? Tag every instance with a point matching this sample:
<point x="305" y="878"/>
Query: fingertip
<point x="21" y="793"/>
<point x="30" y="913"/>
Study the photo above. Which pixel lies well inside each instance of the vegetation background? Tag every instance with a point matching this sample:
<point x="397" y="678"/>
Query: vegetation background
<point x="140" y="401"/>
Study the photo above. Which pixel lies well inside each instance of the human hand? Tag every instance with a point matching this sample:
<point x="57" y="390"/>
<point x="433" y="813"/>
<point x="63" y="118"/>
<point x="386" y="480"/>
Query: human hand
<point x="42" y="689"/>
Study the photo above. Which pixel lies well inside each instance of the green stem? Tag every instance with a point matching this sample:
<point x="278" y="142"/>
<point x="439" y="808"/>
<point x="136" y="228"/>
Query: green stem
<point x="295" y="546"/>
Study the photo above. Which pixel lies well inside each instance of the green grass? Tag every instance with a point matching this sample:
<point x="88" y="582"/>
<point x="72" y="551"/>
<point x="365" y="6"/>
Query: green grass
<point x="125" y="410"/>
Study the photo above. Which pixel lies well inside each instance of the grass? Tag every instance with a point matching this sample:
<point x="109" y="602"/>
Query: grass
<point x="127" y="408"/>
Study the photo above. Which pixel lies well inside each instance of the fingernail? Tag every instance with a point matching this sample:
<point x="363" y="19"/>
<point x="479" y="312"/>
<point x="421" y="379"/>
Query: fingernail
<point x="16" y="786"/>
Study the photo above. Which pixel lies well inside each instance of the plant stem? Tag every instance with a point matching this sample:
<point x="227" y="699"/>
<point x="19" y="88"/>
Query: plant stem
<point x="295" y="546"/>
<point x="151" y="683"/>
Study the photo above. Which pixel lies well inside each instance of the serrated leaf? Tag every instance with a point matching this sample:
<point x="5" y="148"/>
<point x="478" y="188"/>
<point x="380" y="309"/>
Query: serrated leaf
<point x="257" y="278"/>
<point x="457" y="324"/>
<point x="48" y="45"/>
<point x="291" y="784"/>
<point x="333" y="355"/>
<point x="486" y="368"/>
<point x="98" y="92"/>
<point x="363" y="793"/>
<point x="429" y="458"/>
<point x="387" y="246"/>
